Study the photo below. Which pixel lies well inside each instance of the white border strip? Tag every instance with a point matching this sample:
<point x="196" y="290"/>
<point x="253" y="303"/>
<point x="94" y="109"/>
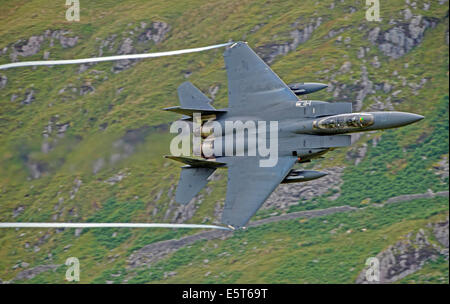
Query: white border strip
<point x="108" y="225"/>
<point x="110" y="58"/>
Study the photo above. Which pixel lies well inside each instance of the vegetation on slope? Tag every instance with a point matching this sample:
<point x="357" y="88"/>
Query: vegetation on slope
<point x="123" y="111"/>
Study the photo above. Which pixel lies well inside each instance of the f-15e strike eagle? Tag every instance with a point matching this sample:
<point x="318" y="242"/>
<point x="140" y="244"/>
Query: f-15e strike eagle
<point x="306" y="130"/>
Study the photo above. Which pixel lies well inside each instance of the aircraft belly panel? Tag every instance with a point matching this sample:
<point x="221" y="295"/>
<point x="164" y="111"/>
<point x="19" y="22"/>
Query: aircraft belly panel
<point x="327" y="141"/>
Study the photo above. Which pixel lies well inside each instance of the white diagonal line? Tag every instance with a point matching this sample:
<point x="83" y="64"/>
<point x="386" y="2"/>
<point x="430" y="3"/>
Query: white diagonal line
<point x="110" y="58"/>
<point x="108" y="225"/>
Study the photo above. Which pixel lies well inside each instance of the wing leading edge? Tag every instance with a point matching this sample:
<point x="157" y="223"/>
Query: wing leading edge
<point x="249" y="185"/>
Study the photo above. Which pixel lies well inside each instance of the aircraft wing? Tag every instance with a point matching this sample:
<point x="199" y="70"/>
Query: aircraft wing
<point x="250" y="81"/>
<point x="249" y="185"/>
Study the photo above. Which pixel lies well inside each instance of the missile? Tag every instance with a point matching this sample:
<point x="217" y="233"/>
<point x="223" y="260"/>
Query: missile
<point x="303" y="88"/>
<point x="299" y="176"/>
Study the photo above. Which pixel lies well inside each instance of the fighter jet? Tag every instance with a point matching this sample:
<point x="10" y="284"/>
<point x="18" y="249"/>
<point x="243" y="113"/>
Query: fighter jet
<point x="306" y="129"/>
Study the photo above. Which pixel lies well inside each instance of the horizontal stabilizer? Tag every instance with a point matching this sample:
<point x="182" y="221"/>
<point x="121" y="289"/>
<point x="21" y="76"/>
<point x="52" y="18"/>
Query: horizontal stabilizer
<point x="194" y="162"/>
<point x="192" y="100"/>
<point x="192" y="180"/>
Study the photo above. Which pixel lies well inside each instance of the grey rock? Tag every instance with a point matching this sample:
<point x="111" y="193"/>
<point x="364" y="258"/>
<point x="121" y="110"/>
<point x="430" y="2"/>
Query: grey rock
<point x="86" y="88"/>
<point x="68" y="42"/>
<point x="78" y="232"/>
<point x="409" y="255"/>
<point x="407" y="14"/>
<point x="361" y="53"/>
<point x="62" y="128"/>
<point x="366" y="88"/>
<point x="375" y="63"/>
<point x="32" y="272"/>
<point x="373" y="34"/>
<point x="29" y="97"/>
<point x="286" y="195"/>
<point x="17" y="211"/>
<point x="357" y="154"/>
<point x="298" y="36"/>
<point x="156" y="32"/>
<point x="125" y="48"/>
<point x="333" y="33"/>
<point x="116" y="178"/>
<point x="441" y="168"/>
<point x="399" y="40"/>
<point x="213" y="90"/>
<point x="184" y="213"/>
<point x="387" y="87"/>
<point x="3" y="81"/>
<point x="440" y="231"/>
<point x="346" y="67"/>
<point x="27" y="48"/>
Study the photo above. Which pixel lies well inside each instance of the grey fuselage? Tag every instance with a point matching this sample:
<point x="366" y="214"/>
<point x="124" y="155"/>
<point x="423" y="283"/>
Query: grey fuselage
<point x="309" y="128"/>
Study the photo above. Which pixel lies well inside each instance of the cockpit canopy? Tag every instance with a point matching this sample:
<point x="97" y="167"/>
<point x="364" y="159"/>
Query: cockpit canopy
<point x="344" y="121"/>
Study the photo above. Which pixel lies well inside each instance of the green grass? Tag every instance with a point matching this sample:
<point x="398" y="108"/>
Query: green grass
<point x="328" y="249"/>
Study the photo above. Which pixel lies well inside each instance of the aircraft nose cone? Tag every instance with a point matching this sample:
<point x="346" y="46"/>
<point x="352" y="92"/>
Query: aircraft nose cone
<point x="403" y="119"/>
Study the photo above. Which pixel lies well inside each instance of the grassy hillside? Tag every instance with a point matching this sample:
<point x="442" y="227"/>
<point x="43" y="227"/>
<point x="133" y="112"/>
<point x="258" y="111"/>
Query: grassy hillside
<point x="85" y="144"/>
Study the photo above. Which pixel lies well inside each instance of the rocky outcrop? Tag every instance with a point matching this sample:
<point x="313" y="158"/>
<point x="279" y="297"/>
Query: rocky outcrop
<point x="28" y="274"/>
<point x="27" y="47"/>
<point x="36" y="168"/>
<point x="33" y="45"/>
<point x="184" y="213"/>
<point x="126" y="47"/>
<point x="18" y="211"/>
<point x="440" y="232"/>
<point x="355" y="92"/>
<point x="410" y="254"/>
<point x="357" y="154"/>
<point x="29" y="97"/>
<point x="300" y="34"/>
<point x="3" y="81"/>
<point x="213" y="90"/>
<point x="366" y="87"/>
<point x="116" y="178"/>
<point x="155" y="32"/>
<point x="52" y="131"/>
<point x="287" y="195"/>
<point x="441" y="168"/>
<point x="403" y="37"/>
